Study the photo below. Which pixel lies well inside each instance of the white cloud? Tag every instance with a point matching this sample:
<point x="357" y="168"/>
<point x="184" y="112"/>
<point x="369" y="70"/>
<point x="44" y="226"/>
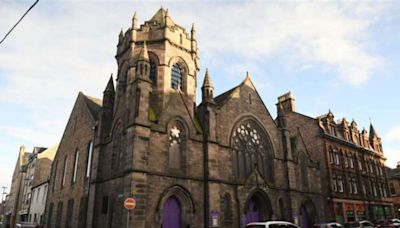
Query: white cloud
<point x="393" y="156"/>
<point x="393" y="134"/>
<point x="328" y="33"/>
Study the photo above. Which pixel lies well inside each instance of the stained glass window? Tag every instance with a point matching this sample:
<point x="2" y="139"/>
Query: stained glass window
<point x="251" y="149"/>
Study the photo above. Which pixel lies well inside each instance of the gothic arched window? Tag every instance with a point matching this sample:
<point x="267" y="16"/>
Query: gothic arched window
<point x="118" y="148"/>
<point x="177" y="143"/>
<point x="176" y="77"/>
<point x="153" y="72"/>
<point x="252" y="149"/>
<point x="303" y="171"/>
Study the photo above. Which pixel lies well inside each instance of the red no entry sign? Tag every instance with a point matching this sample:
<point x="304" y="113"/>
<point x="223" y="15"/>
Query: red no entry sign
<point x="130" y="203"/>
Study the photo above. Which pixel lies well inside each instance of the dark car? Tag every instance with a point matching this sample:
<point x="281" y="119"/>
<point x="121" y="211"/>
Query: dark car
<point x="392" y="223"/>
<point x="328" y="225"/>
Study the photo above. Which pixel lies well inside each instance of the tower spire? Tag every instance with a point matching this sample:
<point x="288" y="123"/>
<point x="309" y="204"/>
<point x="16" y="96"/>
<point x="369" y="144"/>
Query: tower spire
<point x="372" y="132"/>
<point x="207" y="89"/>
<point x="121" y="36"/>
<point x="193" y="32"/>
<point x="109" y="94"/>
<point x="134" y="21"/>
<point x="110" y="85"/>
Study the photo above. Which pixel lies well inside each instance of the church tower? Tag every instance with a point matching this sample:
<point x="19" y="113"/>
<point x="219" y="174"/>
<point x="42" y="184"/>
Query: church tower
<point x="172" y="60"/>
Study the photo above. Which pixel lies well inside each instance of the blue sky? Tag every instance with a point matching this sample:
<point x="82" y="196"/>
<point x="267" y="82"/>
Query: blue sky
<point x="341" y="56"/>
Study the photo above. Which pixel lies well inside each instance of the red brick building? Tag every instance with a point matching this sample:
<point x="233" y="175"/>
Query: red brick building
<point x="353" y="172"/>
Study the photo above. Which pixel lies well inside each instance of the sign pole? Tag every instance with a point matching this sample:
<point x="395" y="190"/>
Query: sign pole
<point x="129" y="204"/>
<point x="127" y="222"/>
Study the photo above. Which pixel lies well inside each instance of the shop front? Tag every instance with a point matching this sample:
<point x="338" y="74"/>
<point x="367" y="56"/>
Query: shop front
<point x="350" y="211"/>
<point x="381" y="212"/>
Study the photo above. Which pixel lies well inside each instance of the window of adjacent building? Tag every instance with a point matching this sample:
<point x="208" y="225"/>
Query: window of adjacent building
<point x="364" y="189"/>
<point x="64" y="171"/>
<point x="89" y="158"/>
<point x="392" y="189"/>
<point x="44" y="193"/>
<point x="349" y="181"/>
<point x="75" y="166"/>
<point x="371" y="167"/>
<point x="70" y="211"/>
<point x="374" y="190"/>
<point x="351" y="161"/>
<point x="37" y="194"/>
<point x="380" y="170"/>
<point x="50" y="214"/>
<point x="360" y="164"/>
<point x="354" y="183"/>
<point x="176" y="77"/>
<point x="384" y="191"/>
<point x="346" y="162"/>
<point x="82" y="212"/>
<point x="59" y="214"/>
<point x="337" y="159"/>
<point x="340" y="184"/>
<point x="334" y="184"/>
<point x="54" y="175"/>
<point x="331" y="156"/>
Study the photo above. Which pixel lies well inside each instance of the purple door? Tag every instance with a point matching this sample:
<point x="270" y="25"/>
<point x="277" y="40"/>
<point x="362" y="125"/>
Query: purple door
<point x="304" y="217"/>
<point x="171" y="213"/>
<point x="253" y="212"/>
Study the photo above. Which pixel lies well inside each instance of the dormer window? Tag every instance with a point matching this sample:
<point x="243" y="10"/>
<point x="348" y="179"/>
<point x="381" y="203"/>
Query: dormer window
<point x="176" y="77"/>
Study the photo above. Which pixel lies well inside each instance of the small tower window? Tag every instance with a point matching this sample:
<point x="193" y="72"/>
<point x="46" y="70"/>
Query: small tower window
<point x="153" y="72"/>
<point x="176" y="77"/>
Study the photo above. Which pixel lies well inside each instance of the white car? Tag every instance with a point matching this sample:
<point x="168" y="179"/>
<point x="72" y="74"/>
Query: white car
<point x="272" y="224"/>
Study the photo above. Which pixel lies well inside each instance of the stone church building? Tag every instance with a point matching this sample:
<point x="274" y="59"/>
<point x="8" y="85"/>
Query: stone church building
<point x="148" y="139"/>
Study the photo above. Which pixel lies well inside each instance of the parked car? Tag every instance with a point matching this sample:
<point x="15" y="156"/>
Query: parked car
<point x="389" y="223"/>
<point x="328" y="225"/>
<point x="27" y="225"/>
<point x="272" y="224"/>
<point x="360" y="224"/>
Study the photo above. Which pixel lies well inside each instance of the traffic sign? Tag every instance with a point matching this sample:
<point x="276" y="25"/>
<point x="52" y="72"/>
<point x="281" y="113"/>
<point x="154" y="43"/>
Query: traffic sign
<point x="130" y="203"/>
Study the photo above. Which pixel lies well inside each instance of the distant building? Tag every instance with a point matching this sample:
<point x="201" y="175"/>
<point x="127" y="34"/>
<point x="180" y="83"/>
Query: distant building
<point x="353" y="171"/>
<point x="42" y="166"/>
<point x="394" y="187"/>
<point x="15" y="195"/>
<point x="27" y="184"/>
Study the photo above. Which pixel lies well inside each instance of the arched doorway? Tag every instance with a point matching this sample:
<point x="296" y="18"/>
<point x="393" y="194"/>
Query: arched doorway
<point x="305" y="221"/>
<point x="258" y="208"/>
<point x="172" y="213"/>
<point x="307" y="214"/>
